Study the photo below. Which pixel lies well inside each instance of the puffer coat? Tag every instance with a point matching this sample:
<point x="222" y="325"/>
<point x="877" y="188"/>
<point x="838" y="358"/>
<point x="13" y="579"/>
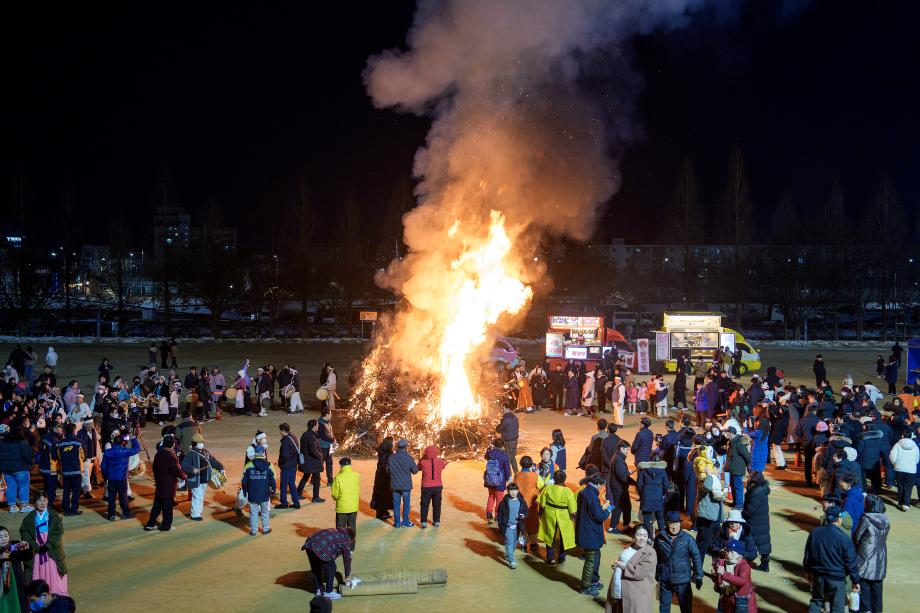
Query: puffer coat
<point x="871" y="539"/>
<point x="756" y="513"/>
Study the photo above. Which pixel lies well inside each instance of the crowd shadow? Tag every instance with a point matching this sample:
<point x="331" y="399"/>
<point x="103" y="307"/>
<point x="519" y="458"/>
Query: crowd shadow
<point x="486" y="550"/>
<point x="804" y="521"/>
<point x="553" y="572"/>
<point x="461" y="504"/>
<point x="778" y="598"/>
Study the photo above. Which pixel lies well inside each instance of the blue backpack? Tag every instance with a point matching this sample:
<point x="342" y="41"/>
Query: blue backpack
<point x="493" y="476"/>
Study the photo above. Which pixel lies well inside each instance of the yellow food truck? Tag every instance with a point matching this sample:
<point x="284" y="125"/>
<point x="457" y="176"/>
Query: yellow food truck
<point x="697" y="335"/>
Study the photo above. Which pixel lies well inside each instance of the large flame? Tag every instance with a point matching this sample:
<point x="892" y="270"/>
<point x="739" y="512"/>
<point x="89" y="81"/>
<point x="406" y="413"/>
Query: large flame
<point x="485" y="289"/>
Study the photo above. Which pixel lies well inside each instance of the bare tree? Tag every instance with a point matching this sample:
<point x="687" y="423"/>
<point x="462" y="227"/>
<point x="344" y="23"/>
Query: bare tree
<point x="886" y="222"/>
<point x="298" y="246"/>
<point x="213" y="275"/>
<point x="737" y="219"/>
<point x="120" y="281"/>
<point x="165" y="267"/>
<point x="685" y="222"/>
<point x="784" y="227"/>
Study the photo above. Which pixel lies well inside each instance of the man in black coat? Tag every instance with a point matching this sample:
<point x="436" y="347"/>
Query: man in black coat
<point x="829" y="558"/>
<point x="779" y="417"/>
<point x="287" y="463"/>
<point x="509" y="428"/>
<point x="757" y="514"/>
<point x="804" y="433"/>
<point x="312" y="465"/>
<point x="679" y="564"/>
<point x="618" y="482"/>
<point x="869" y="449"/>
<point x="820" y="370"/>
<point x="609" y="446"/>
<point x="556" y="387"/>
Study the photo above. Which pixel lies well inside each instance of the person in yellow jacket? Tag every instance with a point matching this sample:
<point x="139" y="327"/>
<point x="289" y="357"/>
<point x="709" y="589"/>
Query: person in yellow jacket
<point x="559" y="507"/>
<point x="346" y="490"/>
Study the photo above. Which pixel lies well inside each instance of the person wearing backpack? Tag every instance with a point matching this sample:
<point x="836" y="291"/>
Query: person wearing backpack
<point x="496" y="475"/>
<point x="431" y="466"/>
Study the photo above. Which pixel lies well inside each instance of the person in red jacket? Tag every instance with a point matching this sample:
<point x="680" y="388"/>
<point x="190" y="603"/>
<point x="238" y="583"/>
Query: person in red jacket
<point x="431" y="466"/>
<point x="166" y="475"/>
<point x="733" y="580"/>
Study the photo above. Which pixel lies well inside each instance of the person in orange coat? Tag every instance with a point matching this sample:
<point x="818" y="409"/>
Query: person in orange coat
<point x="530" y="483"/>
<point x="733" y="579"/>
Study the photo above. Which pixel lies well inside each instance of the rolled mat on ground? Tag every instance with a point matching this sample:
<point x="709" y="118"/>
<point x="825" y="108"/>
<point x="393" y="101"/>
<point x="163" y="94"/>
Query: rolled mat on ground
<point x="430" y="576"/>
<point x="378" y="588"/>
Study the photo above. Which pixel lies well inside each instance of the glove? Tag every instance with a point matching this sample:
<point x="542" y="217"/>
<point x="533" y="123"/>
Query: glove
<point x="699" y="583"/>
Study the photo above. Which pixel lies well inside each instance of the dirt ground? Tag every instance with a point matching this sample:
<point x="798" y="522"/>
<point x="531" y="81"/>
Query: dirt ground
<point x="215" y="565"/>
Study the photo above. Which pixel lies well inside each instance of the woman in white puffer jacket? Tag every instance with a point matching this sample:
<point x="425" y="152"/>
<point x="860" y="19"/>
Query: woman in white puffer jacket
<point x="905" y="456"/>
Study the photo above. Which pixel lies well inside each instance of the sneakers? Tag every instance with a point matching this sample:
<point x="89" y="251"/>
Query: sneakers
<point x="29" y="508"/>
<point x="251" y="532"/>
<point x="195" y="518"/>
<point x="408" y="524"/>
<point x="269" y="531"/>
<point x="282" y="506"/>
<point x="332" y="595"/>
<point x="512" y="564"/>
<point x="613" y="531"/>
<point x="423" y="525"/>
<point x="598" y="585"/>
<point x="149" y="528"/>
<point x="111" y="518"/>
<point x="126" y="516"/>
<point x="436" y="524"/>
<point x="591" y="591"/>
<point x="318" y="500"/>
<point x="14" y="509"/>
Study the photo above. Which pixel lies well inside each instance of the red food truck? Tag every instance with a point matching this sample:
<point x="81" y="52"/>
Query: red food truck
<point x="585" y="338"/>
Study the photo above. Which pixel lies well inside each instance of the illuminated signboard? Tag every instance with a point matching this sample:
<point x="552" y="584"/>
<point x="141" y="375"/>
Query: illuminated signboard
<point x="708" y="322"/>
<point x="576" y="353"/>
<point x="567" y="322"/>
<point x="555" y="344"/>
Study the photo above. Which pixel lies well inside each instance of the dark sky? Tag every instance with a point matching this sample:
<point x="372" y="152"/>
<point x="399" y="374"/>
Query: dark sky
<point x="238" y="104"/>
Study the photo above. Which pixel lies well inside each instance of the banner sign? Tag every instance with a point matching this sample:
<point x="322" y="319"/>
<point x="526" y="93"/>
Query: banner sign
<point x="662" y="346"/>
<point x="642" y="349"/>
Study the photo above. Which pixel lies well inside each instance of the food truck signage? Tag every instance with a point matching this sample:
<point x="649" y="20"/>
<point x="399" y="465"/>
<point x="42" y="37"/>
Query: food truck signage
<point x="576" y="353"/>
<point x="566" y="322"/>
<point x="686" y="322"/>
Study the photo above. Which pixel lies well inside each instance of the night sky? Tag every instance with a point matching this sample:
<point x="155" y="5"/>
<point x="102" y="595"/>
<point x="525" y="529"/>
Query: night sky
<point x="239" y="104"/>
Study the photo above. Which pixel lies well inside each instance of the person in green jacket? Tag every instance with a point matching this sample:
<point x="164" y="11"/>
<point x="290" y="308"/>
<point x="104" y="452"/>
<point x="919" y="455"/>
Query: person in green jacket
<point x="346" y="490"/>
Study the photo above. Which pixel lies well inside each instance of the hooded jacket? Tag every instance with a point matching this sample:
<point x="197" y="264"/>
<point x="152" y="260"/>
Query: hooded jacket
<point x="854" y="504"/>
<point x="739" y="458"/>
<point x="508" y="427"/>
<point x="431" y="466"/>
<point x="871" y="539"/>
<point x="756" y="513"/>
<point x="503" y="515"/>
<point x="115" y="461"/>
<point x="869" y="448"/>
<point x="905" y="456"/>
<point x="679" y="559"/>
<point x="652" y="485"/>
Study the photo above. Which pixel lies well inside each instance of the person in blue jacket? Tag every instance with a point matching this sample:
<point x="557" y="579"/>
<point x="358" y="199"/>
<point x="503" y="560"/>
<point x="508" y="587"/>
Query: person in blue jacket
<point x="643" y="443"/>
<point x="115" y="472"/>
<point x="760" y="443"/>
<point x="854" y="502"/>
<point x="589" y="531"/>
<point x="258" y="485"/>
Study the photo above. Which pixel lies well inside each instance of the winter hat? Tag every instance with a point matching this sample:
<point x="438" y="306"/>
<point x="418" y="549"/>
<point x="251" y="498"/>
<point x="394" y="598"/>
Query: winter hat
<point x="197" y="438"/>
<point x="734" y="545"/>
<point x="865" y="419"/>
<point x="821" y="426"/>
<point x="671" y="517"/>
<point x="851" y="453"/>
<point x="320" y="604"/>
<point x="735" y="516"/>
<point x="732" y="429"/>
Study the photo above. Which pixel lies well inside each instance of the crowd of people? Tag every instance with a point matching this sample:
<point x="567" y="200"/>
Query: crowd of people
<point x="701" y="487"/>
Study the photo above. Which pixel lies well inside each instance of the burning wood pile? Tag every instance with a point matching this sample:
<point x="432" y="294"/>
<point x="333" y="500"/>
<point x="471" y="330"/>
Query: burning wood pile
<point x="386" y="402"/>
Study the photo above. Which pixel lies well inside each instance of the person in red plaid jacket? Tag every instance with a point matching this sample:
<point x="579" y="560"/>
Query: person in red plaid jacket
<point x="322" y="549"/>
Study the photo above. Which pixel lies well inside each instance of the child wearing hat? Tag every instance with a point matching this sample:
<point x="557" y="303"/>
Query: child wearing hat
<point x="732" y="575"/>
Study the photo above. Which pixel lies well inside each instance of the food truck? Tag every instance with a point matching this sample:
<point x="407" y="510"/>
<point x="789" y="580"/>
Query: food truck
<point x="697" y="335"/>
<point x="575" y="337"/>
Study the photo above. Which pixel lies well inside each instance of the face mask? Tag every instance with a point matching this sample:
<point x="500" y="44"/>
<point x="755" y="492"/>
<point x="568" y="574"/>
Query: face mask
<point x="715" y="432"/>
<point x="199" y="445"/>
<point x="36" y="605"/>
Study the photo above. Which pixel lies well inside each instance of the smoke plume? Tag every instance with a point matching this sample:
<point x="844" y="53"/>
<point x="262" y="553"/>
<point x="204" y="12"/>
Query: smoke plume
<point x="514" y="130"/>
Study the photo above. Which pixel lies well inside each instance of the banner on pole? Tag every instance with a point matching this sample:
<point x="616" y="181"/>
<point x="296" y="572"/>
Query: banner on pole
<point x="642" y="349"/>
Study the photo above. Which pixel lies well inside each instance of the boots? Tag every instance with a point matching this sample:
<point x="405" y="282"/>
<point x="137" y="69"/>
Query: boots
<point x="764" y="564"/>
